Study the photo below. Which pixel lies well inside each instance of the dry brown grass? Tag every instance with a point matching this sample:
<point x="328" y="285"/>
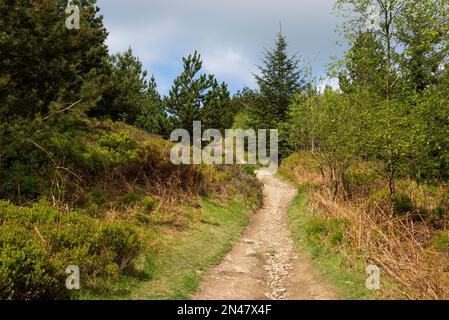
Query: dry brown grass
<point x="398" y="245"/>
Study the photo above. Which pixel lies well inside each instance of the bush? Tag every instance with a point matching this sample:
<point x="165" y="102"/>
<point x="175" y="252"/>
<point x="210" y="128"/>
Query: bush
<point x="96" y="196"/>
<point x="402" y="203"/>
<point x="149" y="203"/>
<point x="38" y="243"/>
<point x="358" y="182"/>
<point x="129" y="198"/>
<point x="441" y="242"/>
<point x="319" y="229"/>
<point x="441" y="211"/>
<point x="248" y="169"/>
<point x="34" y="153"/>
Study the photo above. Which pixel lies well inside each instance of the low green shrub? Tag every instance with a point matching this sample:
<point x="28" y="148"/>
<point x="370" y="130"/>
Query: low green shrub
<point x="359" y="182"/>
<point x="441" y="242"/>
<point x="149" y="203"/>
<point x="330" y="230"/>
<point x="38" y="243"/>
<point x="34" y="153"/>
<point x="248" y="169"/>
<point x="402" y="203"/>
<point x="129" y="198"/>
<point x="96" y="196"/>
<point x="441" y="211"/>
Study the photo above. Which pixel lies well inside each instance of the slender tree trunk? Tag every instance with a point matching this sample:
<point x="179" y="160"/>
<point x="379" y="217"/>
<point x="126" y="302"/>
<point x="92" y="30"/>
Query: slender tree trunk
<point x="388" y="36"/>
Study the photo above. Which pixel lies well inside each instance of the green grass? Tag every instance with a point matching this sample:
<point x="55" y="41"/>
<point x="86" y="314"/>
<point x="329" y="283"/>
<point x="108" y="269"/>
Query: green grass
<point x="321" y="240"/>
<point x="174" y="270"/>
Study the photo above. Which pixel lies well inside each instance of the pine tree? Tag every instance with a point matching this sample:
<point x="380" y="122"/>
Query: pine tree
<point x="44" y="65"/>
<point x="280" y="78"/>
<point x="218" y="112"/>
<point x="153" y="118"/>
<point x="185" y="99"/>
<point x="126" y="97"/>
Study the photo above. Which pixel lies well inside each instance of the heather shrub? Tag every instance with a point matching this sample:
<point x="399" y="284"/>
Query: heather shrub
<point x="38" y="243"/>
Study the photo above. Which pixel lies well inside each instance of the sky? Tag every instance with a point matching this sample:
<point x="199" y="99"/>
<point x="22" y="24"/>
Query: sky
<point x="230" y="35"/>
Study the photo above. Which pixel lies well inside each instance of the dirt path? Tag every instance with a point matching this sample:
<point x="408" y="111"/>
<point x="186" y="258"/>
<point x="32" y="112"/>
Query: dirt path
<point x="265" y="264"/>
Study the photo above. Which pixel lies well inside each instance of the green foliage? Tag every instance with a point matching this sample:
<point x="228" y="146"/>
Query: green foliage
<point x="129" y="198"/>
<point x="38" y="243"/>
<point x="357" y="179"/>
<point x="402" y="203"/>
<point x="35" y="155"/>
<point x="404" y="133"/>
<point x="441" y="242"/>
<point x="219" y="111"/>
<point x="364" y="65"/>
<point x="249" y="169"/>
<point x="280" y="78"/>
<point x="318" y="230"/>
<point x="244" y="101"/>
<point x="244" y="185"/>
<point x="46" y="67"/>
<point x="423" y="31"/>
<point x="196" y="97"/>
<point x="96" y="196"/>
<point x="130" y="97"/>
<point x="391" y="77"/>
<point x="149" y="203"/>
<point x="441" y="211"/>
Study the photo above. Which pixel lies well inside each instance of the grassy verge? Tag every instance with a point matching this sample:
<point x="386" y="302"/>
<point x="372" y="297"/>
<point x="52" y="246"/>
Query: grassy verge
<point x="321" y="240"/>
<point x="173" y="270"/>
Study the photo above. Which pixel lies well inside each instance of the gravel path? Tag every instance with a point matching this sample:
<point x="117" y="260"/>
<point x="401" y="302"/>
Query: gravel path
<point x="265" y="264"/>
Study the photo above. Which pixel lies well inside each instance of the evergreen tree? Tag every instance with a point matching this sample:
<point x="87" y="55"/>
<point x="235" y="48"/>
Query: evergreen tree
<point x="127" y="95"/>
<point x="185" y="100"/>
<point x="280" y="78"/>
<point x="153" y="117"/>
<point x="218" y="111"/>
<point x="198" y="97"/>
<point x="44" y="65"/>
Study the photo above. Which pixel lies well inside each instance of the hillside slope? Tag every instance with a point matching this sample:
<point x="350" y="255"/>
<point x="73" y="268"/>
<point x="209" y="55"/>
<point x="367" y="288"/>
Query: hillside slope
<point x="104" y="197"/>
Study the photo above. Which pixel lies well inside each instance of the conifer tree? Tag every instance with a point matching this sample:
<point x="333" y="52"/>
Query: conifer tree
<point x="218" y="111"/>
<point x="198" y="97"/>
<point x="185" y="99"/>
<point x="280" y="78"/>
<point x="127" y="96"/>
<point x="44" y="65"/>
<point x="153" y="117"/>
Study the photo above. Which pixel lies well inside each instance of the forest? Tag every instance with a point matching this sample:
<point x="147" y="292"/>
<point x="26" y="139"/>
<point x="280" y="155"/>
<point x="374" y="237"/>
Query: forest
<point x="86" y="178"/>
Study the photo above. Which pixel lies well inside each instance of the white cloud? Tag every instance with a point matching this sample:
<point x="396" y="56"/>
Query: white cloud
<point x="229" y="65"/>
<point x="229" y="34"/>
<point x="328" y="82"/>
